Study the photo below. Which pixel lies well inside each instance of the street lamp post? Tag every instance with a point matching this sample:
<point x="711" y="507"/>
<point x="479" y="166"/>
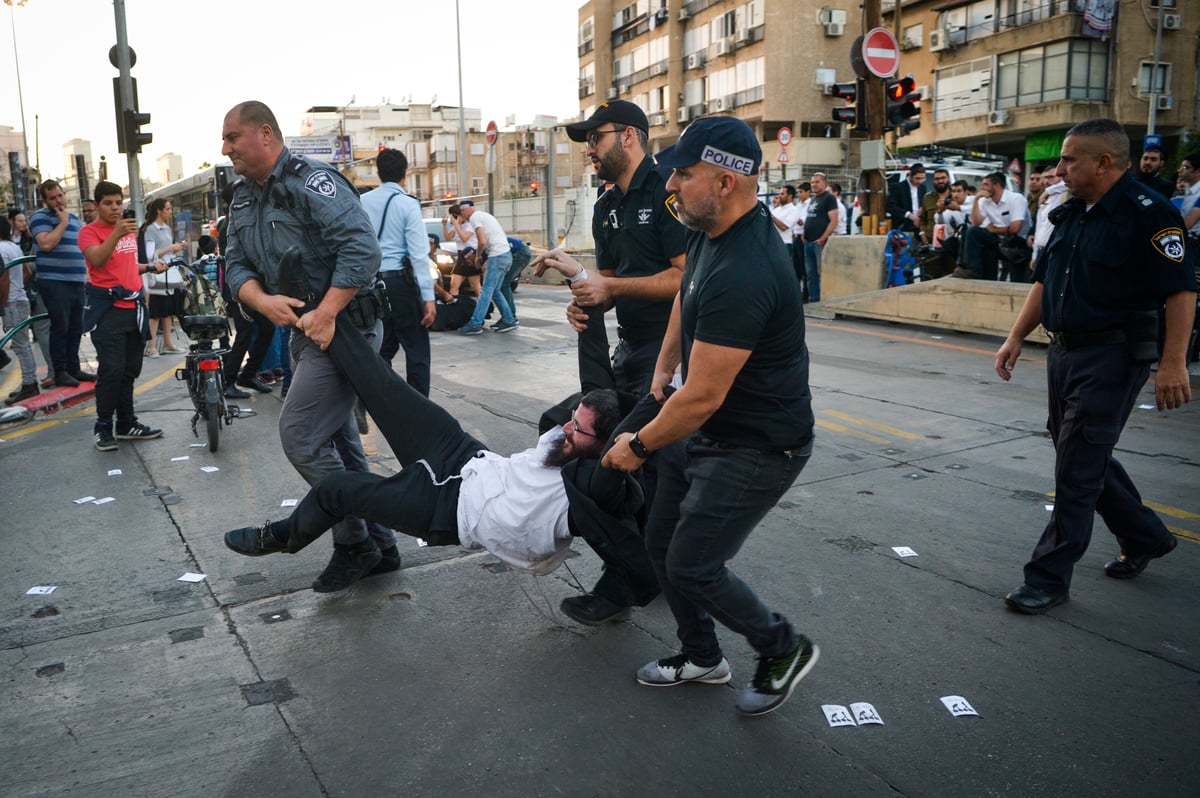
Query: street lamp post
<point x="462" y="122"/>
<point x="25" y="201"/>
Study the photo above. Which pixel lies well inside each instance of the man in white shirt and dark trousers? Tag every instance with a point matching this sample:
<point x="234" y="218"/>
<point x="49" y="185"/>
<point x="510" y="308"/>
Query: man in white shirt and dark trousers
<point x="492" y="240"/>
<point x="995" y="214"/>
<point x="396" y="217"/>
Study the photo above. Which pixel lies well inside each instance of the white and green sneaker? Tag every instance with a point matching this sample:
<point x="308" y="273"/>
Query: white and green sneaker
<point x="679" y="669"/>
<point x="776" y="678"/>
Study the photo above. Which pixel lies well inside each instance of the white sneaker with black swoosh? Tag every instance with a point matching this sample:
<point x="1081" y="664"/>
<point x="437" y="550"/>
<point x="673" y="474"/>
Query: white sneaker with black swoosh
<point x="776" y="678"/>
<point x="680" y="670"/>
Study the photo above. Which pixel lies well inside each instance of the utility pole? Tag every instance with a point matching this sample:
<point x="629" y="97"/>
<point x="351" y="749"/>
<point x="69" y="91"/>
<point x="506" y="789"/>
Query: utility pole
<point x="876" y="117"/>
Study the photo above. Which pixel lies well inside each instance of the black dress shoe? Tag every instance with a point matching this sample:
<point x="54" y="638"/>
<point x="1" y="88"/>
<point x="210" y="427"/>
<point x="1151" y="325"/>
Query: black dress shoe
<point x="64" y="380"/>
<point x="1126" y="567"/>
<point x="254" y="541"/>
<point x="26" y="391"/>
<point x="1032" y="601"/>
<point x="254" y="383"/>
<point x="349" y="564"/>
<point x="592" y="610"/>
<point x="389" y="561"/>
<point x="83" y="376"/>
<point x="234" y="392"/>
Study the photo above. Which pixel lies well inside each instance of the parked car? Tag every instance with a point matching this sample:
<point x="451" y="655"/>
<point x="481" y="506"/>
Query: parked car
<point x="447" y="252"/>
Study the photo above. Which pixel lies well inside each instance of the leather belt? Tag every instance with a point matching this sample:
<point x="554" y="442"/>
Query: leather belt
<point x="1098" y="338"/>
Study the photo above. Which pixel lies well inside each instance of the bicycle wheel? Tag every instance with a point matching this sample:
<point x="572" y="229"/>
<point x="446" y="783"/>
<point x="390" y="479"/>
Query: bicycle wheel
<point x="212" y="413"/>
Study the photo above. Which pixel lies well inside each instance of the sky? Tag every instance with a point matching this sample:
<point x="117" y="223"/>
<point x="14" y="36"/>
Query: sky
<point x="195" y="60"/>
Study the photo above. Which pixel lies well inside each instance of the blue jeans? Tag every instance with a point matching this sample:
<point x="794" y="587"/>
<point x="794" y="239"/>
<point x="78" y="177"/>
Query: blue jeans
<point x="497" y="273"/>
<point x="64" y="303"/>
<point x="710" y="498"/>
<point x="812" y="269"/>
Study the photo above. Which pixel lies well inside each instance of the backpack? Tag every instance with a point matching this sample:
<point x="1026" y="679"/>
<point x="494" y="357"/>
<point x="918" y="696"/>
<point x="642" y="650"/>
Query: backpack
<point x="201" y="298"/>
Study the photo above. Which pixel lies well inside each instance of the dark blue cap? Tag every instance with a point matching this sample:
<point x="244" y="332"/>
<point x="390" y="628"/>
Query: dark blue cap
<point x="723" y="141"/>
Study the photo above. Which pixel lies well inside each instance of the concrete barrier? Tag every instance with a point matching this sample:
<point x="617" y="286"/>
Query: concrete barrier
<point x="852" y="265"/>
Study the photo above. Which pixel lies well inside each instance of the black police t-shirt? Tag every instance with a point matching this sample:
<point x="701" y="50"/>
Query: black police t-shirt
<point x="637" y="234"/>
<point x="739" y="290"/>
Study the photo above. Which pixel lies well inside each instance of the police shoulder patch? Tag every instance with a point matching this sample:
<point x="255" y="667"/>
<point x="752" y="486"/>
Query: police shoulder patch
<point x="1169" y="241"/>
<point x="670" y="203"/>
<point x="320" y="182"/>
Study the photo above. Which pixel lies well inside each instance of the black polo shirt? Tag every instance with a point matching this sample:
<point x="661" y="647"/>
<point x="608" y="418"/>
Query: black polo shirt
<point x="637" y="233"/>
<point x="740" y="290"/>
<point x="1125" y="255"/>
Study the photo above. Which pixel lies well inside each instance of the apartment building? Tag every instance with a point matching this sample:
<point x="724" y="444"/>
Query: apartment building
<point x="768" y="62"/>
<point x="1011" y="76"/>
<point x="429" y="135"/>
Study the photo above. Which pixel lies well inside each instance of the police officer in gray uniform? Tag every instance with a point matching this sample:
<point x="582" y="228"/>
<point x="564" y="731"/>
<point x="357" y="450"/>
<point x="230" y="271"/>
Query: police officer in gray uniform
<point x="285" y="201"/>
<point x="1118" y="254"/>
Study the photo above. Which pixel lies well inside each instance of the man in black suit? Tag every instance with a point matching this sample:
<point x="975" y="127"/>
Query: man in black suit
<point x="904" y="201"/>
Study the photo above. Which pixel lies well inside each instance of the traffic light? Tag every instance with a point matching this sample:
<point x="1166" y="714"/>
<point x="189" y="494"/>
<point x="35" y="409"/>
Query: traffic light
<point x="533" y="187"/>
<point x="135" y="138"/>
<point x="855" y="114"/>
<point x="902" y="105"/>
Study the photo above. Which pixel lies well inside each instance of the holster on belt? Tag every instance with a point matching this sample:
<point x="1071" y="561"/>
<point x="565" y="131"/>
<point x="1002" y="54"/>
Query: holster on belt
<point x="363" y="311"/>
<point x="1141" y="330"/>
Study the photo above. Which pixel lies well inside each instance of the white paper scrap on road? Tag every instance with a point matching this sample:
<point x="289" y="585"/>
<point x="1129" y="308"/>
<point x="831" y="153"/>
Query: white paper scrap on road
<point x="904" y="551"/>
<point x="421" y="542"/>
<point x="289" y="502"/>
<point x="177" y="459"/>
<point x="209" y="469"/>
<point x="41" y="590"/>
<point x="191" y="577"/>
<point x="1147" y="407"/>
<point x="958" y="706"/>
<point x="1049" y="508"/>
<point x="837" y="715"/>
<point x="865" y="713"/>
<point x="105" y="500"/>
<point x="197" y="445"/>
<point x="85" y="500"/>
<point x="114" y="472"/>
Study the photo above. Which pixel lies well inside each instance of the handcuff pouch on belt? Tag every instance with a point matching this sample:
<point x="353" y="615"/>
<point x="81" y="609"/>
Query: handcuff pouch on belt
<point x="369" y="306"/>
<point x="1141" y="331"/>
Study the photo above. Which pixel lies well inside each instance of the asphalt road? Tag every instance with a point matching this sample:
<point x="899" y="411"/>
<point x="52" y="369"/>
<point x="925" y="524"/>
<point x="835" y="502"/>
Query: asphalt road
<point x="457" y="677"/>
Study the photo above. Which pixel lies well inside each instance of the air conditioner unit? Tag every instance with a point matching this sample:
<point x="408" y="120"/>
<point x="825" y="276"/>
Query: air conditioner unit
<point x="1172" y="21"/>
<point x="939" y="40"/>
<point x="685" y="114"/>
<point x="684" y="15"/>
<point x="923" y="91"/>
<point x="999" y="118"/>
<point x="657" y="69"/>
<point x="623" y="88"/>
<point x="729" y="101"/>
<point x="834" y="16"/>
<point x="835" y="29"/>
<point x="692" y="61"/>
<point x="658" y="119"/>
<point x="725" y="46"/>
<point x="718" y="104"/>
<point x="743" y="35"/>
<point x="1165" y="102"/>
<point x="611" y="94"/>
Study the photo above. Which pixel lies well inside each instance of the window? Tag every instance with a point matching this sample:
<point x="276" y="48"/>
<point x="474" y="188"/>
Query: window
<point x="695" y="39"/>
<point x="622" y="66"/>
<point x="912" y="37"/>
<point x="1162" y="78"/>
<point x="476" y="148"/>
<point x="478" y="185"/>
<point x="1074" y="69"/>
<point x="586" y="33"/>
<point x="694" y="91"/>
<point x="962" y="90"/>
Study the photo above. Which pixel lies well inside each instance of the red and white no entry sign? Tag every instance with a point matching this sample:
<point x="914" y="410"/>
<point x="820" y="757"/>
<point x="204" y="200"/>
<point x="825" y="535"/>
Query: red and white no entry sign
<point x="491" y="133"/>
<point x="881" y="53"/>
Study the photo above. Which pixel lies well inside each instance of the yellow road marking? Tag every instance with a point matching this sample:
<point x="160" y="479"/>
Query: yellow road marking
<point x="89" y="407"/>
<point x="899" y="433"/>
<point x="1183" y="533"/>
<point x="839" y="428"/>
<point x="1174" y="512"/>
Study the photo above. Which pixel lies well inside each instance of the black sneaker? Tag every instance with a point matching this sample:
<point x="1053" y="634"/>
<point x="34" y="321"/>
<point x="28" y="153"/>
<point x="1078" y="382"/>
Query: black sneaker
<point x="389" y="560"/>
<point x="348" y="565"/>
<point x="776" y="678"/>
<point x="593" y="610"/>
<point x="103" y="438"/>
<point x="138" y="432"/>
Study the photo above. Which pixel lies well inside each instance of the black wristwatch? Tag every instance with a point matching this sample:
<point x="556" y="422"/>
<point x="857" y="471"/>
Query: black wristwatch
<point x="638" y="448"/>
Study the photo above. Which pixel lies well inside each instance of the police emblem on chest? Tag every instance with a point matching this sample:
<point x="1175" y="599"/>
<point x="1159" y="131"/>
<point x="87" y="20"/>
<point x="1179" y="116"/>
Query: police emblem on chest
<point x="320" y="182"/>
<point x="645" y="216"/>
<point x="1170" y="243"/>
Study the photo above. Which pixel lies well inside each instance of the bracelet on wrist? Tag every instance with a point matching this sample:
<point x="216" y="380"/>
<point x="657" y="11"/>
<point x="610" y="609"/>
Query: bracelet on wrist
<point x="583" y="275"/>
<point x="637" y="447"/>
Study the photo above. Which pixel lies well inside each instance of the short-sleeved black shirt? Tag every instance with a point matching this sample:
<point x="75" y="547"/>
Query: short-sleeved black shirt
<point x="637" y="233"/>
<point x="819" y="207"/>
<point x="1123" y="256"/>
<point x="740" y="290"/>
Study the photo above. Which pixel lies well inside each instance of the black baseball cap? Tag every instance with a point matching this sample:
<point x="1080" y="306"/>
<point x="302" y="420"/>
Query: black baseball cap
<point x="621" y="112"/>
<point x="723" y="141"/>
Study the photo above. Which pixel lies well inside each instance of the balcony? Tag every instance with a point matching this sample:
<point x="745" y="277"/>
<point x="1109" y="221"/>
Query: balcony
<point x="586" y="47"/>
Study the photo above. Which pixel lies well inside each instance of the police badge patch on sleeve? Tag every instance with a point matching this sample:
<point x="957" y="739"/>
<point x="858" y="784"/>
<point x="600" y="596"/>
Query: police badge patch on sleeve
<point x="1170" y="243"/>
<point x="319" y="182"/>
<point x="670" y="203"/>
